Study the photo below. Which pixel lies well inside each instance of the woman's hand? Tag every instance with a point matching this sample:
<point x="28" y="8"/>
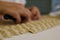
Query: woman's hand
<point x="17" y="11"/>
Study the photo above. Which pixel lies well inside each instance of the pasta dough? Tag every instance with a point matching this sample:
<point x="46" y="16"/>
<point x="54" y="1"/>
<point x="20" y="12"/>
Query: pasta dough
<point x="44" y="23"/>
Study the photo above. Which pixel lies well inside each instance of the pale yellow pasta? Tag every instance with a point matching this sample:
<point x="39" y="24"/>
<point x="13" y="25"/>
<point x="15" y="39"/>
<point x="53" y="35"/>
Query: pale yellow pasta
<point x="44" y="23"/>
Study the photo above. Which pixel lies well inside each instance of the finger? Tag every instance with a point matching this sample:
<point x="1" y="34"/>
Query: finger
<point x="35" y="13"/>
<point x="26" y="15"/>
<point x="38" y="13"/>
<point x="36" y="16"/>
<point x="13" y="13"/>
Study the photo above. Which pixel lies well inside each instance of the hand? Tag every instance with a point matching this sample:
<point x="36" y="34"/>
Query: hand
<point x="14" y="10"/>
<point x="35" y="13"/>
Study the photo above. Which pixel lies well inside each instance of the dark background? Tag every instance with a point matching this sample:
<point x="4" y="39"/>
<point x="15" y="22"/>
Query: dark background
<point x="43" y="5"/>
